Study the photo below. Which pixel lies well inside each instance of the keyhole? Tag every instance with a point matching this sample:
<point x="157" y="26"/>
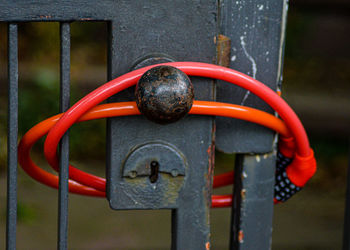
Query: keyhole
<point x="154" y="171"/>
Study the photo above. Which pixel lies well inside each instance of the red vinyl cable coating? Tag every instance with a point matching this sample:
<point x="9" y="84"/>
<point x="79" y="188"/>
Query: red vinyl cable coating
<point x="42" y="128"/>
<point x="191" y="68"/>
<point x="129" y="108"/>
<point x="92" y="185"/>
<point x="222" y="180"/>
<point x="221" y="200"/>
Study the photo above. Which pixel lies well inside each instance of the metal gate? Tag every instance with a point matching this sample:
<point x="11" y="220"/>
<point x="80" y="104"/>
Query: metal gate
<point x="246" y="35"/>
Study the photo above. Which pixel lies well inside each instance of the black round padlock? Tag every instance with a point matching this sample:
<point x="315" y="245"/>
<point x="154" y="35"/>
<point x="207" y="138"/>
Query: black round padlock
<point x="164" y="94"/>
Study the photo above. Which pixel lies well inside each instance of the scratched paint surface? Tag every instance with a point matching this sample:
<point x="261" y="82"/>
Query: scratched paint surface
<point x="256" y="32"/>
<point x="166" y="27"/>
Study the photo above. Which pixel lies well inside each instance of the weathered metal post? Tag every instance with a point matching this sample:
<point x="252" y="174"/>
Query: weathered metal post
<point x="256" y="31"/>
<point x="165" y="30"/>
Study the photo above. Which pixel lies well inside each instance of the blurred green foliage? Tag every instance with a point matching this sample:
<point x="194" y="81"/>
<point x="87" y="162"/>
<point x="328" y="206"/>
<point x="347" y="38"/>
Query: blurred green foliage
<point x="39" y="100"/>
<point x="39" y="81"/>
<point x="26" y="213"/>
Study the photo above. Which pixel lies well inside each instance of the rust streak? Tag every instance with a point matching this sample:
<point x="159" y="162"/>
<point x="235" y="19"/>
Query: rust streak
<point x="45" y="16"/>
<point x="240" y="236"/>
<point x="243" y="191"/>
<point x="211" y="161"/>
<point x="211" y="164"/>
<point x="207" y="245"/>
<point x="223" y="51"/>
<point x="209" y="177"/>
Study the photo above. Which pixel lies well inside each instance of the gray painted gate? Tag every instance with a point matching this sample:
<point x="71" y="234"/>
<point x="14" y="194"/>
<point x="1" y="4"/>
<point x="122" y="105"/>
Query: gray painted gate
<point x="247" y="35"/>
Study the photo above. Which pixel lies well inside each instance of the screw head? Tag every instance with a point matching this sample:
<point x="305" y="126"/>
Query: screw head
<point x="164" y="94"/>
<point x="132" y="174"/>
<point x="174" y="173"/>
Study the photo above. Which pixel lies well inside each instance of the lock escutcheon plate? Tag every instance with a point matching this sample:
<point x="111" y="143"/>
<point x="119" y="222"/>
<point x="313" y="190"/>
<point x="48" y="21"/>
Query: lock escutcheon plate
<point x="138" y="189"/>
<point x="138" y="163"/>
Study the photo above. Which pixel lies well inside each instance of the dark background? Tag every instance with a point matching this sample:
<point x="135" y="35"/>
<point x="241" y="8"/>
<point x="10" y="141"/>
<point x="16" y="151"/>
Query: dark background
<point x="316" y="85"/>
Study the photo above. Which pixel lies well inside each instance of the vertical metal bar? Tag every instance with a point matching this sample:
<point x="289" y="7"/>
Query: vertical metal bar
<point x="253" y="203"/>
<point x="64" y="144"/>
<point x="191" y="228"/>
<point x="174" y="227"/>
<point x="112" y="50"/>
<point x="346" y="233"/>
<point x="235" y="210"/>
<point x="12" y="126"/>
<point x="111" y="73"/>
<point x="191" y="220"/>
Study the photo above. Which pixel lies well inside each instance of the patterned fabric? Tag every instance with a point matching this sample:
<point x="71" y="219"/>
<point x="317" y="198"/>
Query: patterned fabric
<point x="284" y="188"/>
<point x="282" y="162"/>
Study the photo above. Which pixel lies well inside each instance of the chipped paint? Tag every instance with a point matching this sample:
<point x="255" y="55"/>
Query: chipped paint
<point x="257" y="158"/>
<point x="254" y="67"/>
<point x="243" y="193"/>
<point x="45" y="16"/>
<point x="211" y="162"/>
<point x="207" y="245"/>
<point x="251" y="59"/>
<point x="282" y="41"/>
<point x="86" y="19"/>
<point x="171" y="191"/>
<point x="211" y="165"/>
<point x="240" y="236"/>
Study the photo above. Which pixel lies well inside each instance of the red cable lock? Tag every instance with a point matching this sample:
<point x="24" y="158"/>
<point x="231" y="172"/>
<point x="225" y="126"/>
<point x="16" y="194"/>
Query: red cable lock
<point x="293" y="139"/>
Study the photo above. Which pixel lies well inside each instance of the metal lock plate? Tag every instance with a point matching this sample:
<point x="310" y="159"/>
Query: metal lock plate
<point x="152" y="176"/>
<point x="173" y="28"/>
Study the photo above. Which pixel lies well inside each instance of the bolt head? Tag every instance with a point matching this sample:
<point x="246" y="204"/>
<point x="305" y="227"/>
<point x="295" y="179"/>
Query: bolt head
<point x="132" y="174"/>
<point x="164" y="94"/>
<point x="174" y="173"/>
